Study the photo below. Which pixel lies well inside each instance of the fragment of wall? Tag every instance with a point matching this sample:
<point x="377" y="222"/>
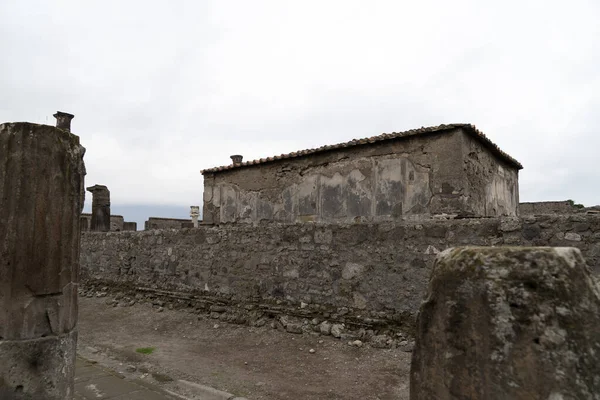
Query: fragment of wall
<point x="376" y="272"/>
<point x="116" y="222"/>
<point x="546" y="207"/>
<point x="166" y="223"/>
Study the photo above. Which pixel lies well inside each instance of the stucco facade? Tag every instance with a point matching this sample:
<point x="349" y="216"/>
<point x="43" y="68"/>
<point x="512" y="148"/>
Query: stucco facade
<point x="451" y="169"/>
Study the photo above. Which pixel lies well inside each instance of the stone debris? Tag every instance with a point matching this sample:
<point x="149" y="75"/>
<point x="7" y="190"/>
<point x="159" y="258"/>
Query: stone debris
<point x="293" y="327"/>
<point x="325" y="328"/>
<point x="381" y="342"/>
<point x="336" y="330"/>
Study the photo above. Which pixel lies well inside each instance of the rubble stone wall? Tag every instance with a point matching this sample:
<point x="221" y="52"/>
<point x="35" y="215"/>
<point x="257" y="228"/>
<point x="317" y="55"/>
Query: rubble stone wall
<point x="166" y="223"/>
<point x="547" y="207"/>
<point x="363" y="275"/>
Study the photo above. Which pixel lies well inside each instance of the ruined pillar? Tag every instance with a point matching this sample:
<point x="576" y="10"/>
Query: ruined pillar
<point x="195" y="213"/>
<point x="100" y="208"/>
<point x="41" y="198"/>
<point x="508" y="323"/>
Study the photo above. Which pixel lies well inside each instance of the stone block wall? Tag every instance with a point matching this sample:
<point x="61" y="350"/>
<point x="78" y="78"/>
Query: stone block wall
<point x="546" y="207"/>
<point x="130" y="226"/>
<point x="364" y="275"/>
<point x="166" y="223"/>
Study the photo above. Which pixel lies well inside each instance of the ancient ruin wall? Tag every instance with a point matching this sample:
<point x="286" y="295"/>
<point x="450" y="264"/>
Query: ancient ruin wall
<point x="389" y="180"/>
<point x="373" y="273"/>
<point x="166" y="223"/>
<point x="547" y="207"/>
<point x="493" y="188"/>
<point x="117" y="222"/>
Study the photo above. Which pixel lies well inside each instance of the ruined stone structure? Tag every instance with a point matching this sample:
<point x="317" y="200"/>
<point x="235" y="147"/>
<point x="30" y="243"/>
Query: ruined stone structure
<point x="445" y="170"/>
<point x="41" y="197"/>
<point x="508" y="323"/>
<point x="117" y="223"/>
<point x="370" y="276"/>
<point x="167" y="223"/>
<point x="130" y="226"/>
<point x="100" y="220"/>
<point x="547" y="207"/>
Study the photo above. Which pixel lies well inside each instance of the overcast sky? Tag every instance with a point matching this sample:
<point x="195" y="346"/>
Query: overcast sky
<point x="161" y="90"/>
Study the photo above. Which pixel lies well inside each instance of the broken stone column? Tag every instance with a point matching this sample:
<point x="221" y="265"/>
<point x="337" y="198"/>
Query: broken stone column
<point x="195" y="213"/>
<point x="100" y="208"/>
<point x="508" y="323"/>
<point x="41" y="198"/>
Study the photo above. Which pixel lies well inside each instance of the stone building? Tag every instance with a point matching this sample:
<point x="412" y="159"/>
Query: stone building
<point x="452" y="170"/>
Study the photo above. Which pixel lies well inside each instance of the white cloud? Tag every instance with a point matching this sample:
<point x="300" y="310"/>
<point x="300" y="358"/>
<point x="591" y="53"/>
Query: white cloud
<point x="162" y="90"/>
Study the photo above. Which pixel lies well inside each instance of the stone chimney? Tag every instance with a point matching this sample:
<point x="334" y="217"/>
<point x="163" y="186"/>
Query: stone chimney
<point x="237" y="159"/>
<point x="63" y="120"/>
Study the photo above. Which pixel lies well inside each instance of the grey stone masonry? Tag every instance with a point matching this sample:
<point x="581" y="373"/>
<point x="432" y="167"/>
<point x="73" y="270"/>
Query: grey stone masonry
<point x="508" y="323"/>
<point x="363" y="275"/>
<point x="41" y="197"/>
<point x="130" y="226"/>
<point x="167" y="223"/>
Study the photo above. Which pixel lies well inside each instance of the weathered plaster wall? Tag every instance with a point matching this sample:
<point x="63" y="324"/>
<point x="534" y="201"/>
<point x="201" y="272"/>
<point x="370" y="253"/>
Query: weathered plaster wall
<point x="361" y="274"/>
<point x="493" y="185"/>
<point x="402" y="178"/>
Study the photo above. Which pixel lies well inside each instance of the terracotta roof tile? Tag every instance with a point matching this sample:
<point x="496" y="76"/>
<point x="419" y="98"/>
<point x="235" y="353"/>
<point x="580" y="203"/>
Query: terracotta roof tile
<point x="468" y="128"/>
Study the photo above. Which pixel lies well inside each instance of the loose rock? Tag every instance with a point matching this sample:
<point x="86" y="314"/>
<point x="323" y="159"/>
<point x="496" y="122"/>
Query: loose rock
<point x="336" y="330"/>
<point x="325" y="328"/>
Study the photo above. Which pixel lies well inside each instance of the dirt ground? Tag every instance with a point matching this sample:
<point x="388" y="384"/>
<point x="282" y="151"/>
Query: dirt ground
<point x="257" y="363"/>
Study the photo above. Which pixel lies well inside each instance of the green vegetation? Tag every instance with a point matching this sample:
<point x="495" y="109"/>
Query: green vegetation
<point x="573" y="204"/>
<point x="145" y="350"/>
